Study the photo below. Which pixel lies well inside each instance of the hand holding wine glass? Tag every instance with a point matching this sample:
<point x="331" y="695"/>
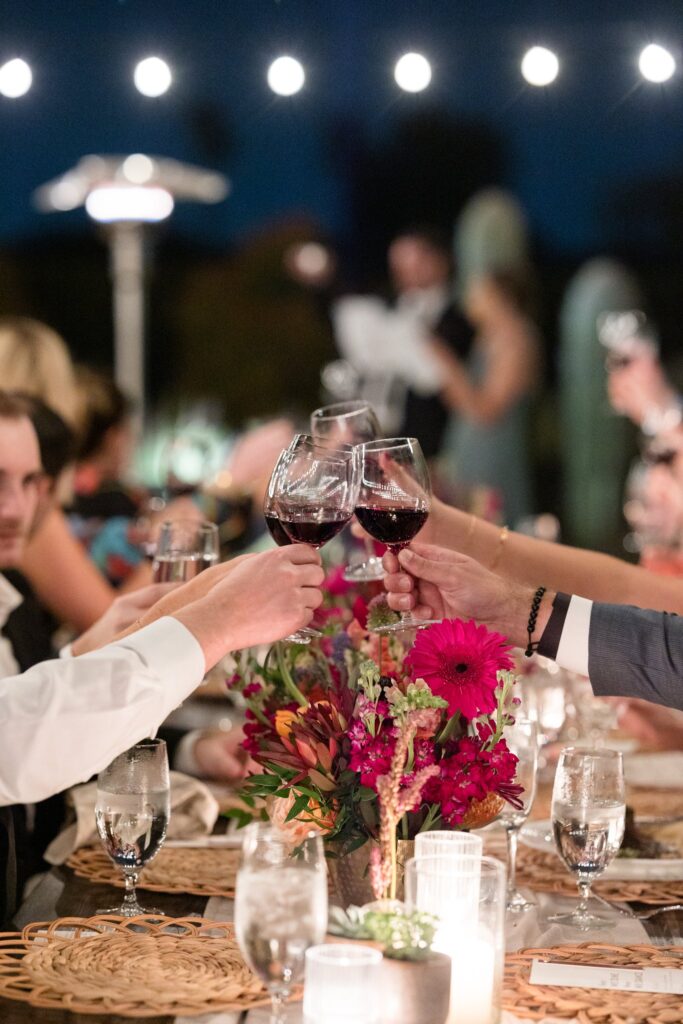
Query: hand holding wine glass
<point x="588" y="815"/>
<point x="132" y="810"/>
<point x="310" y="498"/>
<point x="394" y="497"/>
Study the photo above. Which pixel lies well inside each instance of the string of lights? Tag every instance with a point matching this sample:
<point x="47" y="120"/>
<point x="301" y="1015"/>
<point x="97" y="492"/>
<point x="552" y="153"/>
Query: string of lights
<point x="286" y="75"/>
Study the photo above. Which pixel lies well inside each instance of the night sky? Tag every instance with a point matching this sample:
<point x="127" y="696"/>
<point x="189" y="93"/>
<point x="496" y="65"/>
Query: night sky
<point x="568" y="149"/>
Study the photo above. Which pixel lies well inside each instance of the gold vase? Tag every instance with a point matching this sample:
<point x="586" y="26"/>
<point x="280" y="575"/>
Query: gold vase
<point x="349" y="873"/>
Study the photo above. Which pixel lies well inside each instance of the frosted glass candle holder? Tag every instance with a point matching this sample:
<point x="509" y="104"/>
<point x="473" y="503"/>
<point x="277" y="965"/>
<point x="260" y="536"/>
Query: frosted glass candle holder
<point x="343" y="984"/>
<point x="441" y="841"/>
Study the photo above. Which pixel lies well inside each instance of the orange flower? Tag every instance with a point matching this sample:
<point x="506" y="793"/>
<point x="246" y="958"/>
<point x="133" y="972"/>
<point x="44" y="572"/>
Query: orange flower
<point x="283" y="722"/>
<point x="311" y="819"/>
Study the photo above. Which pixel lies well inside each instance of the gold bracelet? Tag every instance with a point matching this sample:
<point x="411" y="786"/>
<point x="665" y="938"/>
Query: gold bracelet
<point x="502" y="537"/>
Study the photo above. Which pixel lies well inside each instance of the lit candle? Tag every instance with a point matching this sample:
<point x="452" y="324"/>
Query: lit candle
<point x="472" y="980"/>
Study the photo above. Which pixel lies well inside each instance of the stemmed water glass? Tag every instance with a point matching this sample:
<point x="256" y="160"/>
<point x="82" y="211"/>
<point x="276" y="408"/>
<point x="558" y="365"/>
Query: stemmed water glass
<point x="280" y="907"/>
<point x="132" y="811"/>
<point x="522" y="741"/>
<point x="588" y="814"/>
<point x="394" y="498"/>
<point x="310" y="498"/>
<point x="184" y="548"/>
<point x="350" y="423"/>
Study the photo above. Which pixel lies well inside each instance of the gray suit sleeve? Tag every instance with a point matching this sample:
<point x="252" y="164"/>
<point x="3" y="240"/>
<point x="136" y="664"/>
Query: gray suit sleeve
<point x="636" y="653"/>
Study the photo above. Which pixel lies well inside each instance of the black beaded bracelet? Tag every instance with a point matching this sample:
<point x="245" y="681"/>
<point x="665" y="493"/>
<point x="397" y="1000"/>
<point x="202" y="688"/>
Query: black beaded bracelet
<point x="531" y="624"/>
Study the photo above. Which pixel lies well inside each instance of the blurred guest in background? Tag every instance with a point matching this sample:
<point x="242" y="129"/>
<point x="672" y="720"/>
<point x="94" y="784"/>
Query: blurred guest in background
<point x="388" y="344"/>
<point x="487" y="442"/>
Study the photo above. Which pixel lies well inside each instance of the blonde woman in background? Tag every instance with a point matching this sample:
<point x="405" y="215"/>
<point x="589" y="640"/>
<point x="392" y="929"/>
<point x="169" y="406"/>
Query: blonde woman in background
<point x="35" y="360"/>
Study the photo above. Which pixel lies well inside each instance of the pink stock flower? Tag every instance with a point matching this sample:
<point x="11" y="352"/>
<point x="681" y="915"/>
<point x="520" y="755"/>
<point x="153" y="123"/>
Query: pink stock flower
<point x="459" y="661"/>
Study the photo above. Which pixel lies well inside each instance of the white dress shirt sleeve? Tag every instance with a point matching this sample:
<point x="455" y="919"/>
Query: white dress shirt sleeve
<point x="572" y="652"/>
<point x="65" y="720"/>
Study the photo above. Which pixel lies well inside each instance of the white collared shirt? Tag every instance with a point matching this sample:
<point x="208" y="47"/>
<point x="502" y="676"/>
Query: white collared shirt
<point x="64" y="720"/>
<point x="10" y="598"/>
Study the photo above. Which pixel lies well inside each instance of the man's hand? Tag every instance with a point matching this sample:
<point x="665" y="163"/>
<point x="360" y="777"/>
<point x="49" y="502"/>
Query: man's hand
<point x="438" y="583"/>
<point x="121" y="614"/>
<point x="263" y="599"/>
<point x="219" y="755"/>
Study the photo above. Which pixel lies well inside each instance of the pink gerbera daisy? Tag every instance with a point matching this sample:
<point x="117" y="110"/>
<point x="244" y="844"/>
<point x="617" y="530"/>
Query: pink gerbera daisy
<point x="459" y="661"/>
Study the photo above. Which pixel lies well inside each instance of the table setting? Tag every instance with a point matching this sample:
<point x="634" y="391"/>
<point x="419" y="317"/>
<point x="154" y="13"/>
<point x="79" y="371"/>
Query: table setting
<point x="426" y="835"/>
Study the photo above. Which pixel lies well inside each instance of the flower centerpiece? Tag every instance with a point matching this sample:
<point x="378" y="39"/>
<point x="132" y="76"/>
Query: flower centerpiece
<point x="363" y="740"/>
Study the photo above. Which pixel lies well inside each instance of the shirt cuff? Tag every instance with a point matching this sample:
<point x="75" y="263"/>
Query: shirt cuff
<point x="172" y="653"/>
<point x="66" y="651"/>
<point x="572" y="651"/>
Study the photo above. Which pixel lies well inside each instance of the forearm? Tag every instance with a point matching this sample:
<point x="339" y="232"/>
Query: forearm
<point x="63" y="721"/>
<point x="556" y="566"/>
<point x="636" y="653"/>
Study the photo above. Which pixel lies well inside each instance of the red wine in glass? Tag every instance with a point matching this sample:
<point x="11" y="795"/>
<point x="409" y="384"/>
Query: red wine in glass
<point x="315" y="530"/>
<point x="394" y="527"/>
<point x="277" y="530"/>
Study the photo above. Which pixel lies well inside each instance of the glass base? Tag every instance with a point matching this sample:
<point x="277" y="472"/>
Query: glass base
<point x="302" y="636"/>
<point x="517" y="903"/>
<point x="365" y="572"/>
<point x="131" y="910"/>
<point x="585" y="921"/>
<point x="403" y="625"/>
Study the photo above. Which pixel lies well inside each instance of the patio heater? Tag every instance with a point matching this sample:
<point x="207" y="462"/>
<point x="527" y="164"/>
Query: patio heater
<point x="127" y="194"/>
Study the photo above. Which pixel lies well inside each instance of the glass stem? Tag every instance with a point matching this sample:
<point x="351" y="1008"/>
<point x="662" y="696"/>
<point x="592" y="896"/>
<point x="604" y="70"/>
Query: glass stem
<point x="277" y="1007"/>
<point x="369" y="549"/>
<point x="511" y="835"/>
<point x="585" y="891"/>
<point x="131" y="880"/>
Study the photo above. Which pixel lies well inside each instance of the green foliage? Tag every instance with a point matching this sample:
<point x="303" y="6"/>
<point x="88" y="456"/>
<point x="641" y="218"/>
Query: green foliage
<point x="403" y="934"/>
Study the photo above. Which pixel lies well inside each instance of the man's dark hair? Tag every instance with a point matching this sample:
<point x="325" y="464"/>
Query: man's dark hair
<point x="13" y="406"/>
<point x="56" y="439"/>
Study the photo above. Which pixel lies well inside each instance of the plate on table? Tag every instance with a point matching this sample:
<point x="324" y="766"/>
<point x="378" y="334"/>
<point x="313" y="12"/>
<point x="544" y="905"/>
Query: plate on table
<point x="539" y="836"/>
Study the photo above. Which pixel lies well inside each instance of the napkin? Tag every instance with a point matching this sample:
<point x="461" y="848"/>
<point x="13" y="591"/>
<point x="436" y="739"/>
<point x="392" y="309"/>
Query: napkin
<point x="193" y="813"/>
<point x="660" y="770"/>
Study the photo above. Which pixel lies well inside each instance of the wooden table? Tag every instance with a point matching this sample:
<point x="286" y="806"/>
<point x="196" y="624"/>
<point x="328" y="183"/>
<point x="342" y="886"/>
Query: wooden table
<point x="60" y="894"/>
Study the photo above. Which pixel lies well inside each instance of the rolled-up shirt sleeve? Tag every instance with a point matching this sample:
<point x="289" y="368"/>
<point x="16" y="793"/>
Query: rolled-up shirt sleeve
<point x="64" y="720"/>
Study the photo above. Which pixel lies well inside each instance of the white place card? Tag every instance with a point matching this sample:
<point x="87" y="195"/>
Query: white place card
<point x="625" y="979"/>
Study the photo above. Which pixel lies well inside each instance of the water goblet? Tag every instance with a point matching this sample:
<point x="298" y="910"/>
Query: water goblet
<point x="588" y="815"/>
<point x="184" y="548"/>
<point x="132" y="809"/>
<point x="280" y="907"/>
<point x="522" y="741"/>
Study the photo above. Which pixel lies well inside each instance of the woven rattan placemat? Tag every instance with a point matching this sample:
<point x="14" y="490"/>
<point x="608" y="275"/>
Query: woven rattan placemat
<point x="200" y="871"/>
<point x="134" y="967"/>
<point x="591" y="1005"/>
<point x="545" y="872"/>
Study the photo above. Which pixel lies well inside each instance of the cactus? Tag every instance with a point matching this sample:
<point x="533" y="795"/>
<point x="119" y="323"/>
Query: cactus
<point x="595" y="441"/>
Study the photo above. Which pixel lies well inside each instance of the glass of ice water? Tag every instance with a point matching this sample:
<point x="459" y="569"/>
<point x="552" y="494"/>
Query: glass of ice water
<point x="522" y="740"/>
<point x="280" y="907"/>
<point x="588" y="813"/>
<point x="184" y="548"/>
<point x="132" y="811"/>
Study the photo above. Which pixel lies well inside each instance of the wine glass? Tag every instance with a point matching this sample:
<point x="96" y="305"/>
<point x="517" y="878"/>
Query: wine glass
<point x="588" y="814"/>
<point x="280" y="907"/>
<point x="393" y="498"/>
<point x="131" y="812"/>
<point x="522" y="741"/>
<point x="184" y="548"/>
<point x="310" y="497"/>
<point x="351" y="423"/>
